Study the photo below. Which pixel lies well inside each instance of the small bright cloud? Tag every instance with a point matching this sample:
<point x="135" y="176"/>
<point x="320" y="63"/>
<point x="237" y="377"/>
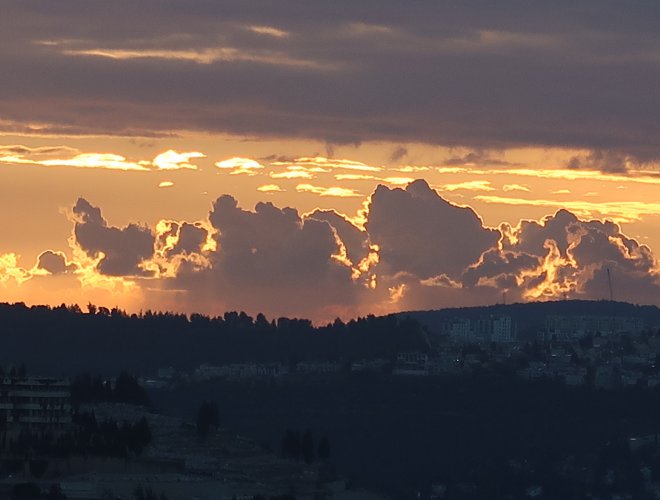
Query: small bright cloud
<point x="171" y="160"/>
<point x="562" y="191"/>
<point x="292" y="174"/>
<point x="469" y="186"/>
<point x="355" y="177"/>
<point x="327" y="191"/>
<point x="398" y="181"/>
<point x="412" y="168"/>
<point x="328" y="163"/>
<point x="268" y="31"/>
<point x="239" y="166"/>
<point x="270" y="188"/>
<point x="166" y="184"/>
<point x="515" y="187"/>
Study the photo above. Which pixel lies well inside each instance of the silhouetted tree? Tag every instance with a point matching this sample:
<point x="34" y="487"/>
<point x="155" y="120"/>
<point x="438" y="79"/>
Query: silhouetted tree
<point x="308" y="447"/>
<point x="324" y="449"/>
<point x="207" y="418"/>
<point x="55" y="493"/>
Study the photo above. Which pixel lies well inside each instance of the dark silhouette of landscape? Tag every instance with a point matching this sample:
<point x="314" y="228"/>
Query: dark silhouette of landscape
<point x="480" y="419"/>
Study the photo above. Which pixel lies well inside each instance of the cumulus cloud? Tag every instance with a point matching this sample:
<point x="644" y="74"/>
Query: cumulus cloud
<point x="412" y="250"/>
<point x="271" y="259"/>
<point x="54" y="263"/>
<point x="419" y="232"/>
<point x="564" y="255"/>
<point x="120" y="251"/>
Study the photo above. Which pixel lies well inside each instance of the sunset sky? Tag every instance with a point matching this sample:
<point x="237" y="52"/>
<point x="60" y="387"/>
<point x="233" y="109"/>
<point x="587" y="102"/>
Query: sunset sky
<point x="324" y="159"/>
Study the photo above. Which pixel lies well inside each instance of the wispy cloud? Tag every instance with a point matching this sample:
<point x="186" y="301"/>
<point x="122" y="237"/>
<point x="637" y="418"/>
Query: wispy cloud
<point x="514" y="187"/>
<point x="469" y="186"/>
<point x="62" y="156"/>
<point x="268" y="31"/>
<point x="338" y="192"/>
<point x="620" y="211"/>
<point x="328" y="164"/>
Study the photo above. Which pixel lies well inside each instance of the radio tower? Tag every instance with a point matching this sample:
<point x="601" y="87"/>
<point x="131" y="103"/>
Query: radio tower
<point x="609" y="284"/>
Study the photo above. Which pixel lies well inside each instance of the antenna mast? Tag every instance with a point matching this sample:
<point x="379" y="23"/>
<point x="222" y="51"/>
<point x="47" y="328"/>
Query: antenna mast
<point x="609" y="283"/>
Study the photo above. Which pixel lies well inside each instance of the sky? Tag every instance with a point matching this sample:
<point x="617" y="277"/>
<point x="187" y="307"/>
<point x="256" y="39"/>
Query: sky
<point x="328" y="159"/>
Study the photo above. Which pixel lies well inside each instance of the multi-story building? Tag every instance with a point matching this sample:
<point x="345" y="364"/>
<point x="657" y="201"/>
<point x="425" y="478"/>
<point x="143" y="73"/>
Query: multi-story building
<point x="572" y="327"/>
<point x="34" y="403"/>
<point x="490" y="328"/>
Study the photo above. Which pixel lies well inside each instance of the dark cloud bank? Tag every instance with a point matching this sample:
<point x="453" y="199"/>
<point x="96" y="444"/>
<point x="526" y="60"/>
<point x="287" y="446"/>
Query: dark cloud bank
<point x="477" y="74"/>
<point x="416" y="251"/>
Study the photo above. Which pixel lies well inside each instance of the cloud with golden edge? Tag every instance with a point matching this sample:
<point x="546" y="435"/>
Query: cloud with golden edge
<point x="10" y="270"/>
<point x="398" y="181"/>
<point x="268" y="31"/>
<point x="338" y="192"/>
<point x="515" y="187"/>
<point x="469" y="186"/>
<point x="240" y="166"/>
<point x="411" y="169"/>
<point x="200" y="56"/>
<point x="355" y="177"/>
<point x="328" y="164"/>
<point x="621" y="211"/>
<point x="82" y="160"/>
<point x="270" y="188"/>
<point x="64" y="156"/>
<point x="292" y="174"/>
<point x="171" y="160"/>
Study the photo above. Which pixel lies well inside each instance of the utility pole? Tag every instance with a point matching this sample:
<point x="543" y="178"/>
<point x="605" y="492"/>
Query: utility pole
<point x="609" y="283"/>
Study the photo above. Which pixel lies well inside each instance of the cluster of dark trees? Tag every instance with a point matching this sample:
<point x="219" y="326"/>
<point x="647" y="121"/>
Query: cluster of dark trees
<point x="88" y="389"/>
<point x="142" y="493"/>
<point x="300" y="446"/>
<point x="31" y="491"/>
<point x="208" y="418"/>
<point x="71" y="341"/>
<point x="89" y="437"/>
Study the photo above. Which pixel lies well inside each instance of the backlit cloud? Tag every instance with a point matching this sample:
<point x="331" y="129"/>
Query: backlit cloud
<point x="413" y="250"/>
<point x="63" y="156"/>
<point x="469" y="186"/>
<point x="338" y="192"/>
<point x="270" y="188"/>
<point x="172" y="160"/>
<point x="514" y="187"/>
<point x="620" y="211"/>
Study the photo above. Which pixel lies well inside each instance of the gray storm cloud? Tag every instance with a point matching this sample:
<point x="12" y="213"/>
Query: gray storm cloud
<point x="483" y="75"/>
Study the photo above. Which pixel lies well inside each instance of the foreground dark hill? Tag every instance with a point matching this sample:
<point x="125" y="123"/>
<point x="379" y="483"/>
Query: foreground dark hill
<point x="530" y="317"/>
